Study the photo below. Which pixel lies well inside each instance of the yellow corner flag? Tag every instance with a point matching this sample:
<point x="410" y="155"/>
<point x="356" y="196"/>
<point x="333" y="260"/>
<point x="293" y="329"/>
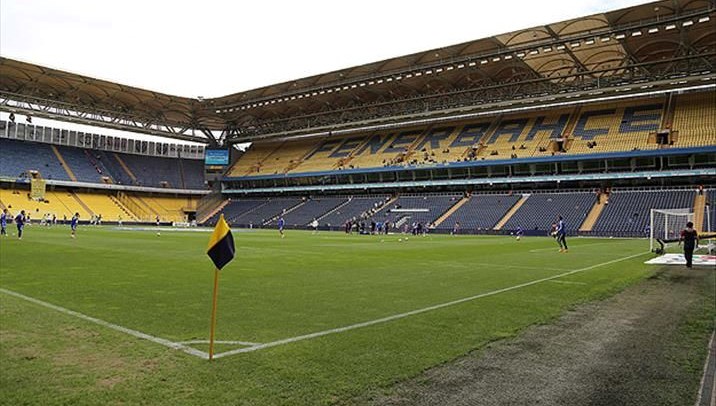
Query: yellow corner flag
<point x="221" y="244"/>
<point x="221" y="251"/>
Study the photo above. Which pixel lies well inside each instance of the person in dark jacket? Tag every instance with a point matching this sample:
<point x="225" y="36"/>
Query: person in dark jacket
<point x="690" y="238"/>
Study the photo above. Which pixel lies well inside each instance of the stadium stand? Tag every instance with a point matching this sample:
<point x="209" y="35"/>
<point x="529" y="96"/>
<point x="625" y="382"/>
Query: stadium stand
<point x="627" y="212"/>
<point x="192" y="172"/>
<point x="354" y="208"/>
<point x="317" y="158"/>
<point x="583" y="129"/>
<point x="480" y="212"/>
<point x="171" y="208"/>
<point x="439" y="150"/>
<point x="160" y="172"/>
<point x="73" y="164"/>
<point x="593" y="128"/>
<point x="102" y="205"/>
<point x="18" y="157"/>
<point x="695" y="119"/>
<point x="57" y="162"/>
<point x="59" y="203"/>
<point x="66" y="203"/>
<point x="108" y="160"/>
<point x="79" y="163"/>
<point x="236" y="208"/>
<point x="310" y="209"/>
<point x="382" y="149"/>
<point x="624" y="126"/>
<point x="540" y="211"/>
<point x="416" y="209"/>
<point x="520" y="136"/>
<point x="272" y="159"/>
<point x="250" y="162"/>
<point x="259" y="214"/>
<point x="624" y="213"/>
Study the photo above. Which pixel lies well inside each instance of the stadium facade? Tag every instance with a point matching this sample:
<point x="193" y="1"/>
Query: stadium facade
<point x="599" y="119"/>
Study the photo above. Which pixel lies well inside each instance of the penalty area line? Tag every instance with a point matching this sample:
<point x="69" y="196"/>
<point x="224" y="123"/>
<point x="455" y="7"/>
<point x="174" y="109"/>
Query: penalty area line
<point x="125" y="330"/>
<point x="418" y="311"/>
<point x="572" y="245"/>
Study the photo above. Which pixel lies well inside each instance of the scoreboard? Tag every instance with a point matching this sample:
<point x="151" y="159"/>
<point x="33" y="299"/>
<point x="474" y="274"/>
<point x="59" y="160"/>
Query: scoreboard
<point x="216" y="157"/>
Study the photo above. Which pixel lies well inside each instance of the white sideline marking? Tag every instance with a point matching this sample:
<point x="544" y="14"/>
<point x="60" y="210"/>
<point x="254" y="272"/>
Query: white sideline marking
<point x="418" y="311"/>
<point x="246" y="343"/>
<point x="569" y="282"/>
<point x="700" y="398"/>
<point x="529" y="268"/>
<point x="135" y="333"/>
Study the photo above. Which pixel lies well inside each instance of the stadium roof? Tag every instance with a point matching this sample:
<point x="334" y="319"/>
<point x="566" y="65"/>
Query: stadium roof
<point x="643" y="43"/>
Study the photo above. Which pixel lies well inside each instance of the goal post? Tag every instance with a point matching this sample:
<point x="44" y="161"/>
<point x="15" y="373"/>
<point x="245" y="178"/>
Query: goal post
<point x="666" y="225"/>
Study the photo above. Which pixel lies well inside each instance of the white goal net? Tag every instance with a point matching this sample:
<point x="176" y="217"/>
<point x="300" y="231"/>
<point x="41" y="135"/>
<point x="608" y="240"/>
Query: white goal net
<point x="666" y="225"/>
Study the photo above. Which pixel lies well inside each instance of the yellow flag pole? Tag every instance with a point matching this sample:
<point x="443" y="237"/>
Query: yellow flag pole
<point x="213" y="314"/>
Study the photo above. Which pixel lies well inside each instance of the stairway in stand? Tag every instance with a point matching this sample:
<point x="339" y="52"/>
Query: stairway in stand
<point x="594" y="213"/>
<point x="511" y="212"/>
<point x="451" y="210"/>
<point x="699" y="210"/>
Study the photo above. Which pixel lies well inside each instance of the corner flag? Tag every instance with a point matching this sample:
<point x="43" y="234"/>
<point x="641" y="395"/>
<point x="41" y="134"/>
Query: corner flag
<point x="221" y="244"/>
<point x="221" y="251"/>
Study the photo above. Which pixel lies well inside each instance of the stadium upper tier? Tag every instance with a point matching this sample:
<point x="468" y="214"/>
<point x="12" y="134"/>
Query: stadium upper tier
<point x="595" y="128"/>
<point x="55" y="162"/>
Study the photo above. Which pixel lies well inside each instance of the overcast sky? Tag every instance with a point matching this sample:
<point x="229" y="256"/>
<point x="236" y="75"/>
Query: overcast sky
<point x="216" y="47"/>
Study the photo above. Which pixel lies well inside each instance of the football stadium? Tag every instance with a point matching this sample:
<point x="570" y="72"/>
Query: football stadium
<point x="525" y="218"/>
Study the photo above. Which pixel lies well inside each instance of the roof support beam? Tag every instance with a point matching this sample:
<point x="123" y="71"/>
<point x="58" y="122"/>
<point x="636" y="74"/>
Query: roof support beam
<point x="56" y="111"/>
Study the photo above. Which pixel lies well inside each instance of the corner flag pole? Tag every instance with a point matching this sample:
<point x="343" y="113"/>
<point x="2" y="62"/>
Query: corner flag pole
<point x="213" y="314"/>
<point x="221" y="251"/>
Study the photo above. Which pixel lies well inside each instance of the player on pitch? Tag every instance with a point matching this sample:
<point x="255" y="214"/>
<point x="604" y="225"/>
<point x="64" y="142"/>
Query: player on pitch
<point x="560" y="233"/>
<point x="73" y="225"/>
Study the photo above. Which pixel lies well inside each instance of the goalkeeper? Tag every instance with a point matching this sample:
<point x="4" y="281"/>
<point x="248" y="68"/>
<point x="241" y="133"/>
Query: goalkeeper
<point x="560" y="233"/>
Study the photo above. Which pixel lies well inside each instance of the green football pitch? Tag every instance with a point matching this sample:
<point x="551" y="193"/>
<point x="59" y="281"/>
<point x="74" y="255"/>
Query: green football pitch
<point x="122" y="316"/>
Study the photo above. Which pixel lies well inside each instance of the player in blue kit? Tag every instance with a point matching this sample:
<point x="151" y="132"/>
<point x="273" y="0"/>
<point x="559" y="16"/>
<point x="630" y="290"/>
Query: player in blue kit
<point x="3" y="222"/>
<point x="560" y="233"/>
<point x="73" y="224"/>
<point x="20" y="223"/>
<point x="281" y="223"/>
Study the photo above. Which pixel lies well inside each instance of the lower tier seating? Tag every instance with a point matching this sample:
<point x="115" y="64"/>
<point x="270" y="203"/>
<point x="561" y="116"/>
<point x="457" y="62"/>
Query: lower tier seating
<point x="628" y="213"/>
<point x="540" y="211"/>
<point x="407" y="210"/>
<point x="480" y="212"/>
<point x="63" y="204"/>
